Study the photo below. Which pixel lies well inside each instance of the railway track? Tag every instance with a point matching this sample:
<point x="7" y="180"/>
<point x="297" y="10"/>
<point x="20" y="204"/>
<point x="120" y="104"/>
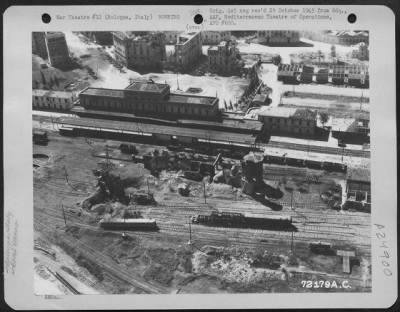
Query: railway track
<point x="108" y="264"/>
<point x="63" y="281"/>
<point x="318" y="149"/>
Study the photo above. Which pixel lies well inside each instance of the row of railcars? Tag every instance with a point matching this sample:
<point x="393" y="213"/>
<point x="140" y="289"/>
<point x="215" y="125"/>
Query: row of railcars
<point x="312" y="164"/>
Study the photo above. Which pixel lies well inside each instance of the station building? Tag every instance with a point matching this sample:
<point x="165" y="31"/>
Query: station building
<point x="288" y="121"/>
<point x="150" y="99"/>
<point x="52" y="100"/>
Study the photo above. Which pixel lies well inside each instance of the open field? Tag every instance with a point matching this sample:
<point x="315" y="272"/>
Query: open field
<point x="220" y="259"/>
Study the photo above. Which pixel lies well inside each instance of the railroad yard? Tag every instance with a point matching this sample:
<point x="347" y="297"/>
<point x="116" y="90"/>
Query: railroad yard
<point x="183" y="182"/>
<point x="219" y="259"/>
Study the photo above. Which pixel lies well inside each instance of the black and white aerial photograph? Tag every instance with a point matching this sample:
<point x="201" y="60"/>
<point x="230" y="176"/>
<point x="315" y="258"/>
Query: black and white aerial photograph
<point x="203" y="162"/>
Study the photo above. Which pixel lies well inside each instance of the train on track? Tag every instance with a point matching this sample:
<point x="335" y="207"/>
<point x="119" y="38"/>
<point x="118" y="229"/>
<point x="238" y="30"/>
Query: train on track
<point x="239" y="220"/>
<point x="137" y="224"/>
<point x="312" y="164"/>
<point x="229" y="149"/>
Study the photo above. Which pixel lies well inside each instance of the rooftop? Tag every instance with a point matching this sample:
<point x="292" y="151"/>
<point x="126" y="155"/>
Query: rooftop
<point x="284" y="112"/>
<point x="146" y="86"/>
<point x="191" y="99"/>
<point x="349" y="33"/>
<point x="128" y="34"/>
<point x="349" y="124"/>
<point x="49" y="93"/>
<point x="244" y="124"/>
<point x="306" y="114"/>
<point x="103" y="92"/>
<point x="185" y="37"/>
<point x="160" y="129"/>
<point x="359" y="174"/>
<point x="260" y="97"/>
<point x="288" y="112"/>
<point x="254" y="157"/>
<point x="55" y="34"/>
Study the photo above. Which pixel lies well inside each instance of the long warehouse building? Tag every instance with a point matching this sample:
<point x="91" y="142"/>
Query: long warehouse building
<point x="150" y="99"/>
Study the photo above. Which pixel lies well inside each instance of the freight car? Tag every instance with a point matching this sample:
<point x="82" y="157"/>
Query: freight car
<point x="40" y="137"/>
<point x="67" y="131"/>
<point x="321" y="248"/>
<point x="227" y="219"/>
<point x="274" y="159"/>
<point x="137" y="224"/>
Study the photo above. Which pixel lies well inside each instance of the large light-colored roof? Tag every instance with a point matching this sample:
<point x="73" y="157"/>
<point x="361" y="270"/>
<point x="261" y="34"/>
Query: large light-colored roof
<point x="190" y="99"/>
<point x="147" y="87"/>
<point x="283" y="112"/>
<point x="103" y="92"/>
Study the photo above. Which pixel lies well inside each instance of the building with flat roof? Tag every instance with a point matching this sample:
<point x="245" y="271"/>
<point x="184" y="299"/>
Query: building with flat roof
<point x="188" y="50"/>
<point x="343" y="37"/>
<point x="351" y="130"/>
<point x="353" y="75"/>
<point x="52" y="100"/>
<point x="278" y="36"/>
<point x="150" y="99"/>
<point x="57" y="49"/>
<point x="358" y="189"/>
<point x="288" y="121"/>
<point x="215" y="37"/>
<point x="137" y="50"/>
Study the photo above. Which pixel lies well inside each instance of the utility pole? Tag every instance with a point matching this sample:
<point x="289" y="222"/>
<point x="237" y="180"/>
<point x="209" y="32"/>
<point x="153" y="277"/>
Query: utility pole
<point x="291" y="200"/>
<point x="204" y="193"/>
<point x="342" y="153"/>
<point x="65" y="219"/>
<point x="177" y="82"/>
<point x="291" y="243"/>
<point x="190" y="231"/>
<point x="66" y="175"/>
